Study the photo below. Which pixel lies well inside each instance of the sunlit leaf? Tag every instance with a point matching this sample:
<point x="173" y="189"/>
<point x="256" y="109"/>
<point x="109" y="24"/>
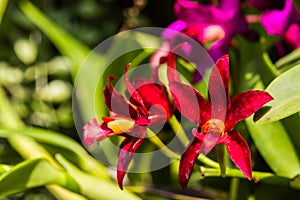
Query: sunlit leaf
<point x="31" y="173"/>
<point x="271" y="139"/>
<point x="275" y="146"/>
<point x="286" y="93"/>
<point x="92" y="187"/>
<point x="288" y="61"/>
<point x="76" y="152"/>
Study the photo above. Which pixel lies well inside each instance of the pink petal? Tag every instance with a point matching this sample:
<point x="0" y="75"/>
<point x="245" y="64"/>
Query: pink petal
<point x="128" y="148"/>
<point x="244" y="105"/>
<point x="116" y="102"/>
<point x="93" y="131"/>
<point x="239" y="152"/>
<point x="187" y="162"/>
<point x="190" y="103"/>
<point x="172" y="30"/>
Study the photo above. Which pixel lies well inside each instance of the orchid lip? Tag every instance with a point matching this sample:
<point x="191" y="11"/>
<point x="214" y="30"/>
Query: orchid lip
<point x="214" y="125"/>
<point x="120" y="125"/>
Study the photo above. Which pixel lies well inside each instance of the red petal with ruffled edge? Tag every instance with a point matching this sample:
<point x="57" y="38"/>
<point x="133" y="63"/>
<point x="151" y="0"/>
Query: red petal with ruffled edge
<point x="244" y="105"/>
<point x="152" y="94"/>
<point x="128" y="148"/>
<point x="135" y="97"/>
<point x="187" y="162"/>
<point x="239" y="152"/>
<point x="219" y="88"/>
<point x="190" y="103"/>
<point x="93" y="131"/>
<point x="171" y="70"/>
<point x="116" y="103"/>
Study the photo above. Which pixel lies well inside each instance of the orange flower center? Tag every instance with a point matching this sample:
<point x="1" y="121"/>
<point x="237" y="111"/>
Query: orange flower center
<point x="214" y="125"/>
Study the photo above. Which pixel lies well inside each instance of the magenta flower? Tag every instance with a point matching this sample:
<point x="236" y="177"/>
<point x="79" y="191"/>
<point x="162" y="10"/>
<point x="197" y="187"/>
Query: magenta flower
<point x="148" y="106"/>
<point x="216" y="118"/>
<point x="284" y="22"/>
<point x="209" y="24"/>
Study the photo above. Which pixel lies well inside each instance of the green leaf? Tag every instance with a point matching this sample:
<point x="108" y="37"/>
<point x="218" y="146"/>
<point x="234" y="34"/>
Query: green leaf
<point x="288" y="61"/>
<point x="73" y="150"/>
<point x="286" y="93"/>
<point x="31" y="173"/>
<point x="11" y="119"/>
<point x="275" y="146"/>
<point x="92" y="187"/>
<point x="271" y="139"/>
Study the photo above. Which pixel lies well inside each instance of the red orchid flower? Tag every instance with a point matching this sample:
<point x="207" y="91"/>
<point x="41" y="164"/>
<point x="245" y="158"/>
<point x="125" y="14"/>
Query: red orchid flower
<point x="148" y="105"/>
<point x="216" y="117"/>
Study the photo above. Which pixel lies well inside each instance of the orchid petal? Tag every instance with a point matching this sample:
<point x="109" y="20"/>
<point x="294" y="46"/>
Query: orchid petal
<point x="134" y="95"/>
<point x="210" y="140"/>
<point x="244" y="105"/>
<point x="276" y="22"/>
<point x="190" y="103"/>
<point x="219" y="77"/>
<point x="116" y="102"/>
<point x="232" y="6"/>
<point x="154" y="94"/>
<point x="171" y="30"/>
<point x="219" y="88"/>
<point x="128" y="148"/>
<point x="239" y="152"/>
<point x="187" y="162"/>
<point x="93" y="131"/>
<point x="171" y="70"/>
<point x="292" y="36"/>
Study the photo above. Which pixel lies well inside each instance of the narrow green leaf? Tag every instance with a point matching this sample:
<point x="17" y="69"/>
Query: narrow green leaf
<point x="286" y="93"/>
<point x="92" y="187"/>
<point x="288" y="61"/>
<point x="31" y="173"/>
<point x="8" y="116"/>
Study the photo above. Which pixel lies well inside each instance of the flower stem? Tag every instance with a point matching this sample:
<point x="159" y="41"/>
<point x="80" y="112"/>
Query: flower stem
<point x="178" y="130"/>
<point x="234" y="188"/>
<point x="265" y="177"/>
<point x="156" y="140"/>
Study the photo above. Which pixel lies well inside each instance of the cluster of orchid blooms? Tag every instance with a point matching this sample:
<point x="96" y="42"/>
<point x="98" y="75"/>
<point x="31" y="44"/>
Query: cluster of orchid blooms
<point x="148" y="104"/>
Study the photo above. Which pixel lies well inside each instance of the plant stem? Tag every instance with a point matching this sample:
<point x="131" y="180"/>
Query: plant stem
<point x="155" y="140"/>
<point x="171" y="154"/>
<point x="234" y="188"/>
<point x="266" y="177"/>
<point x="178" y="130"/>
<point x="161" y="193"/>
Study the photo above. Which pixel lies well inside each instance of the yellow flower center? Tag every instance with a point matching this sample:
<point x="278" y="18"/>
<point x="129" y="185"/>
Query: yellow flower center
<point x="214" y="125"/>
<point x="120" y="125"/>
